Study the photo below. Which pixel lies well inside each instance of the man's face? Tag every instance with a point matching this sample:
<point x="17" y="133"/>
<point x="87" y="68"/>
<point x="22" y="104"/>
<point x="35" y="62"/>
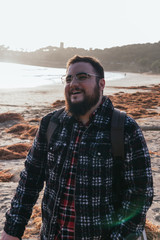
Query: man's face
<point x="81" y="96"/>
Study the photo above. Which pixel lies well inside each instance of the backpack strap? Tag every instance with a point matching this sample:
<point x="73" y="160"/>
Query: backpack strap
<point x="53" y="123"/>
<point x="117" y="133"/>
<point x="117" y="141"/>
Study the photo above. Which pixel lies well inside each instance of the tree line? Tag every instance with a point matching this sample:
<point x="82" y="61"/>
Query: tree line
<point x="130" y="58"/>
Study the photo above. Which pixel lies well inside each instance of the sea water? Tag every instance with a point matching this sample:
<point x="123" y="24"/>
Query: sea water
<point x="14" y="75"/>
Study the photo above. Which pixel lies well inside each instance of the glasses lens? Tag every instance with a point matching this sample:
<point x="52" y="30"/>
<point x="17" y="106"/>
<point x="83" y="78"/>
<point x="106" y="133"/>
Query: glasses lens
<point x="63" y="78"/>
<point x="68" y="78"/>
<point x="82" y="76"/>
<point x="79" y="76"/>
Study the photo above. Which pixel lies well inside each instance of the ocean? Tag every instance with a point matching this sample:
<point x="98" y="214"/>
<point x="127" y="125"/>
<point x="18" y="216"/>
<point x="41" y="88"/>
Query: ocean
<point x="14" y="75"/>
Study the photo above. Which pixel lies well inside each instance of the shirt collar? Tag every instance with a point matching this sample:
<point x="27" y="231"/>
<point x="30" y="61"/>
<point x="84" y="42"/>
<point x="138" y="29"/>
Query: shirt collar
<point x="103" y="113"/>
<point x="100" y="117"/>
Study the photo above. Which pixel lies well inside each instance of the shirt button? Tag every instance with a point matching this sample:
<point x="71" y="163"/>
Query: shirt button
<point x="99" y="154"/>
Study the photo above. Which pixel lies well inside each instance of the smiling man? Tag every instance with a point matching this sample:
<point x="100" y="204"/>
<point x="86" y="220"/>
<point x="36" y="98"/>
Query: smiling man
<point x="77" y="168"/>
<point x="83" y="89"/>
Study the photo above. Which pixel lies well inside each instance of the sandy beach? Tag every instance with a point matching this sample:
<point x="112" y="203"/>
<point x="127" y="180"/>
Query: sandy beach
<point x="22" y="109"/>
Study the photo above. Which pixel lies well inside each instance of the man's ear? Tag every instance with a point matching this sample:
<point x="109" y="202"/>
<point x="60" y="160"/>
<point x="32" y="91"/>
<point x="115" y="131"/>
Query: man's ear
<point x="102" y="83"/>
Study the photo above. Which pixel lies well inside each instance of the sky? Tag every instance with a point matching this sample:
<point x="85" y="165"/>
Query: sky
<point x="31" y="24"/>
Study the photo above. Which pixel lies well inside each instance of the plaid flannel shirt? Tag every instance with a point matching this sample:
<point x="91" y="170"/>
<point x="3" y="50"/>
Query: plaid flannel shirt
<point x="96" y="217"/>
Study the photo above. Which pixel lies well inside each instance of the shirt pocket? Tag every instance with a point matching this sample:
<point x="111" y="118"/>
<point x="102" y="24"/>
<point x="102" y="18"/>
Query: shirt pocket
<point x="55" y="161"/>
<point x="55" y="154"/>
<point x="100" y="153"/>
<point x="100" y="166"/>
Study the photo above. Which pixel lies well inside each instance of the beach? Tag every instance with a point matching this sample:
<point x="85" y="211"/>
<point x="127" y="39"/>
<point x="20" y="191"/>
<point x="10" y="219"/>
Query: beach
<point x="22" y="109"/>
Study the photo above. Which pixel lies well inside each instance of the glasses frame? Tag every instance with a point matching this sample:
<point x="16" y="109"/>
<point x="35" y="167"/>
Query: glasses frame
<point x="63" y="78"/>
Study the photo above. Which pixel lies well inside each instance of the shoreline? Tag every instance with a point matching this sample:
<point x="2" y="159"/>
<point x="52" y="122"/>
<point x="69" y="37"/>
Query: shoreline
<point x="53" y="92"/>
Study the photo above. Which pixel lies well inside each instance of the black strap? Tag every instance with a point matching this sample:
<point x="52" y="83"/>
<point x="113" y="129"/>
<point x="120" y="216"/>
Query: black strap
<point x="53" y="123"/>
<point x="117" y="133"/>
<point x="117" y="141"/>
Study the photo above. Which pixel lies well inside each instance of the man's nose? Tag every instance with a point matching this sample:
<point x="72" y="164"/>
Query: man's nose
<point x="74" y="81"/>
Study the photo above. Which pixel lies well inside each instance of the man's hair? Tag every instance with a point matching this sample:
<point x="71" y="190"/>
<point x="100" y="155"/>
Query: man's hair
<point x="92" y="60"/>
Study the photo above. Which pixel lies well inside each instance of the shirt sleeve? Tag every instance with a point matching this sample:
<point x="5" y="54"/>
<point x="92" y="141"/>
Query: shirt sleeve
<point x="137" y="191"/>
<point x="31" y="183"/>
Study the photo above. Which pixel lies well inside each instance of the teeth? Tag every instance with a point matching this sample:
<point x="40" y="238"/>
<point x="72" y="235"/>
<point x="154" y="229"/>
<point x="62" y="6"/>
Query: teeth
<point x="76" y="92"/>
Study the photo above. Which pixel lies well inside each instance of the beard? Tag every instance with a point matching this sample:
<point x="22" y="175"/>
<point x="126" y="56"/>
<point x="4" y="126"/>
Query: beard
<point x="82" y="107"/>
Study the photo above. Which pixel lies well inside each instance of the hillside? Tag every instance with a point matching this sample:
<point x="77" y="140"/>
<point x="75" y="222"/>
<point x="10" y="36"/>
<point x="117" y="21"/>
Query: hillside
<point x="131" y="58"/>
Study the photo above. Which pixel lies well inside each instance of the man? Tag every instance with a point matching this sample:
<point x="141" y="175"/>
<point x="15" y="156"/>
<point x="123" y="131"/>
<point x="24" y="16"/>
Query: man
<point x="77" y="167"/>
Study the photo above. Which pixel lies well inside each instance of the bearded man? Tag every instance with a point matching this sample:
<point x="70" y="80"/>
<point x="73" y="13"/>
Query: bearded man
<point x="76" y="166"/>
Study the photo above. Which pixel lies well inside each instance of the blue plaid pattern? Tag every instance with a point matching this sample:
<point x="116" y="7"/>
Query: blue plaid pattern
<point x="96" y="217"/>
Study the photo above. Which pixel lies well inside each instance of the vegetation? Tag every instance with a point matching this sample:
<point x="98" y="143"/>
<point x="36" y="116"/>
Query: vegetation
<point x="132" y="58"/>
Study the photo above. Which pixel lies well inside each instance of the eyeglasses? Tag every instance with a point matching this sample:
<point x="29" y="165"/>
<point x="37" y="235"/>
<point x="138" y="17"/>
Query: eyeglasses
<point x="80" y="77"/>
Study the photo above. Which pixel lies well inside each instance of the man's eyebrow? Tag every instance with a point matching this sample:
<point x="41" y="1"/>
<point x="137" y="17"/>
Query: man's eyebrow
<point x="76" y="74"/>
<point x="81" y="73"/>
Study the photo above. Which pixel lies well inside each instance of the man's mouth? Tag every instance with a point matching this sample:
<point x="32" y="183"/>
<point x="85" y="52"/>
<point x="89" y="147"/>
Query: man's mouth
<point x="75" y="92"/>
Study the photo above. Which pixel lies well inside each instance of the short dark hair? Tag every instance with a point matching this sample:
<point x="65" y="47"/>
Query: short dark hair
<point x="92" y="60"/>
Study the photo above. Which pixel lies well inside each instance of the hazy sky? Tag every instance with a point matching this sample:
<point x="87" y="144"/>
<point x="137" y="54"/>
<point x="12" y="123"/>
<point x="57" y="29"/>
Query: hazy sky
<point x="31" y="24"/>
